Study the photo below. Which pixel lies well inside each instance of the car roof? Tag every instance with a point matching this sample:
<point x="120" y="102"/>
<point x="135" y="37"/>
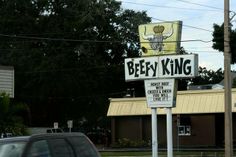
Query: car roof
<point x="36" y="136"/>
<point x="48" y="135"/>
<point x="15" y="139"/>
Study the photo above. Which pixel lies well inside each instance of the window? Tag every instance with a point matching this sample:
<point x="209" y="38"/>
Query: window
<point x="184" y="130"/>
<point x="61" y="148"/>
<point x="13" y="149"/>
<point x="184" y="125"/>
<point x="83" y="147"/>
<point x="39" y="149"/>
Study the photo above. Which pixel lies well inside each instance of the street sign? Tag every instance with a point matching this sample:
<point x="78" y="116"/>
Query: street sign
<point x="169" y="66"/>
<point x="159" y="71"/>
<point x="70" y="123"/>
<point x="160" y="92"/>
<point x="55" y="125"/>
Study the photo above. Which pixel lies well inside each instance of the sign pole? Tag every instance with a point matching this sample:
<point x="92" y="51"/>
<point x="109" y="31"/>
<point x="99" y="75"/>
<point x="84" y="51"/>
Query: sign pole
<point x="159" y="71"/>
<point x="169" y="132"/>
<point x="227" y="83"/>
<point x="154" y="132"/>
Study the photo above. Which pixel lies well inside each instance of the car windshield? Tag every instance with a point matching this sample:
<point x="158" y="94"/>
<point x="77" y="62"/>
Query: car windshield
<point x="13" y="149"/>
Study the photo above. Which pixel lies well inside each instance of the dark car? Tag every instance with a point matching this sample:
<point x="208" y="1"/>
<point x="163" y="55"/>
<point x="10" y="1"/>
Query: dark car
<point x="48" y="145"/>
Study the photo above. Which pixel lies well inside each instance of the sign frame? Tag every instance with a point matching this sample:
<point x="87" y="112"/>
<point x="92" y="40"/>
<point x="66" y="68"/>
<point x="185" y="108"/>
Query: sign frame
<point x="168" y="66"/>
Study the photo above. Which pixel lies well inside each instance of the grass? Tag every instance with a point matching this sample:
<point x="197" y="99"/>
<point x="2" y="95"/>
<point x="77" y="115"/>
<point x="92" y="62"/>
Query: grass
<point x="105" y="154"/>
<point x="161" y="153"/>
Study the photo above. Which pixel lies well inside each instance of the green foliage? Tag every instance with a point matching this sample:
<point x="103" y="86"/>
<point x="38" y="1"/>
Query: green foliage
<point x="127" y="143"/>
<point x="218" y="41"/>
<point x="207" y="77"/>
<point x="10" y="120"/>
<point x="234" y="83"/>
<point x="68" y="55"/>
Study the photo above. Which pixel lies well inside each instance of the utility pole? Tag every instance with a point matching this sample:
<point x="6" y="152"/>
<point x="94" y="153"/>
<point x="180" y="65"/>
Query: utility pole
<point x="227" y="84"/>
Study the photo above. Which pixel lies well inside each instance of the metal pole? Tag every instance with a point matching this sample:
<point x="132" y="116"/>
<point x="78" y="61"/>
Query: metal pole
<point x="154" y="133"/>
<point x="169" y="132"/>
<point x="227" y="84"/>
<point x="178" y="124"/>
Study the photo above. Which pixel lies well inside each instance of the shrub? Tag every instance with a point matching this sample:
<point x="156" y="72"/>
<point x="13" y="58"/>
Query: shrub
<point x="10" y="121"/>
<point x="127" y="143"/>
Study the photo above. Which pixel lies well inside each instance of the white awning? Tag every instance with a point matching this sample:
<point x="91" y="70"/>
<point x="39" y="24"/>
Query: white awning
<point x="188" y="102"/>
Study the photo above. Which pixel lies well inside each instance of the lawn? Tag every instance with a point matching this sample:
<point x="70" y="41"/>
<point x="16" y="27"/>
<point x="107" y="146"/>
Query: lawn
<point x="162" y="154"/>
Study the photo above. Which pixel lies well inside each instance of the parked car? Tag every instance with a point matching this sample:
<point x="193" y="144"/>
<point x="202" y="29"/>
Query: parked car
<point x="7" y="134"/>
<point x="48" y="145"/>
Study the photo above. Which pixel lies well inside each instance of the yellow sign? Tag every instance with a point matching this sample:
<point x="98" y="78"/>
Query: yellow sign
<point x="160" y="38"/>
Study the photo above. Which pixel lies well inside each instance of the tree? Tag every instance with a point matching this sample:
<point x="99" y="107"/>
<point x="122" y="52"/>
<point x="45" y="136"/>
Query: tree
<point x="207" y="77"/>
<point x="68" y="55"/>
<point x="10" y="119"/>
<point x="218" y="41"/>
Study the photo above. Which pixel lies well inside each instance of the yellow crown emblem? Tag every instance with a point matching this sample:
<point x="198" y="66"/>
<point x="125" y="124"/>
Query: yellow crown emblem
<point x="158" y="29"/>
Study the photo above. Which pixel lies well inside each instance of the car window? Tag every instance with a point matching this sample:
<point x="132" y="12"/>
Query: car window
<point x="13" y="149"/>
<point x="39" y="149"/>
<point x="83" y="147"/>
<point x="60" y="148"/>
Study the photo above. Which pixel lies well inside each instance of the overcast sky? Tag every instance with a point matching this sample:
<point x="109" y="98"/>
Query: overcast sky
<point x="198" y="17"/>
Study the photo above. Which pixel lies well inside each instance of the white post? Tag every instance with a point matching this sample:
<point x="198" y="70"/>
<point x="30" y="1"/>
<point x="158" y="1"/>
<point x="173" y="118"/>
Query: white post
<point x="154" y="133"/>
<point x="169" y="132"/>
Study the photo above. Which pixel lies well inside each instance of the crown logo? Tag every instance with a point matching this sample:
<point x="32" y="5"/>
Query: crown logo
<point x="158" y="29"/>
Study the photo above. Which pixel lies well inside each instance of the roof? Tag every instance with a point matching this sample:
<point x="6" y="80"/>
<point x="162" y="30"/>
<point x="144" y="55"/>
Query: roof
<point x="44" y="135"/>
<point x="188" y="102"/>
<point x="14" y="139"/>
<point x="64" y="134"/>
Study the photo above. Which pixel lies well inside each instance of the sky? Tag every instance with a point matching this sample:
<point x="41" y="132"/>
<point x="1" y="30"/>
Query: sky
<point x="198" y="17"/>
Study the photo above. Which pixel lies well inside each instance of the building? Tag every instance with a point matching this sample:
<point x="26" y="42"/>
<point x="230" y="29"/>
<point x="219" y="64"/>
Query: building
<point x="7" y="80"/>
<point x="198" y="119"/>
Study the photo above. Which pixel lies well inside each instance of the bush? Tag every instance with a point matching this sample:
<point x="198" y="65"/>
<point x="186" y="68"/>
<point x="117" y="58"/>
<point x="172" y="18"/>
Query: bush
<point x="127" y="143"/>
<point x="10" y="121"/>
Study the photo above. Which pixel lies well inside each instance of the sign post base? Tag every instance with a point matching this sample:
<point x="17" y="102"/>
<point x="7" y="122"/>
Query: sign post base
<point x="154" y="133"/>
<point x="169" y="132"/>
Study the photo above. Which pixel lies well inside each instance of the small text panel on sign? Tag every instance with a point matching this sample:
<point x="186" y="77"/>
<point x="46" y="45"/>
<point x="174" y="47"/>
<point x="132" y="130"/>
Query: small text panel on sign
<point x="160" y="92"/>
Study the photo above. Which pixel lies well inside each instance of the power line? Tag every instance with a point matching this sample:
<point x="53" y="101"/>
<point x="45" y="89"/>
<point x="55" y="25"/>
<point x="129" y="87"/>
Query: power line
<point x="202" y="5"/>
<point x="168" y="7"/>
<point x="199" y="28"/>
<point x="207" y="51"/>
<point x="89" y="41"/>
<point x="75" y="97"/>
<point x="182" y="41"/>
<point x="71" y="69"/>
<point x="180" y="8"/>
<point x="57" y="39"/>
<point x="199" y="47"/>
